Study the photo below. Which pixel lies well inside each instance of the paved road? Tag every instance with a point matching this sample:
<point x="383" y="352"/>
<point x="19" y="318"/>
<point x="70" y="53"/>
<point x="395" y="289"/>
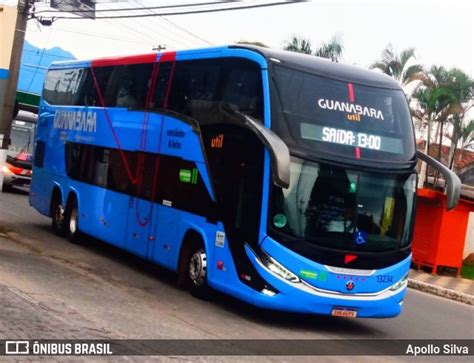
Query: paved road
<point x="114" y="294"/>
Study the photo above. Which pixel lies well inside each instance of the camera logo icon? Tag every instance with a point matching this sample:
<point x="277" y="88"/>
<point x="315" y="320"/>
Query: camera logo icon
<point x="17" y="347"/>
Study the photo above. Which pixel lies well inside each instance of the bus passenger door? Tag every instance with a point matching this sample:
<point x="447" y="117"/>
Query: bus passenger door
<point x="165" y="244"/>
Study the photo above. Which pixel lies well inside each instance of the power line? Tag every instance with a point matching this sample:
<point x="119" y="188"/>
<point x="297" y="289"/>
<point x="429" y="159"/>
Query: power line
<point x="185" y="30"/>
<point x="96" y="35"/>
<point x="122" y="24"/>
<point x="153" y="25"/>
<point x="39" y="61"/>
<point x="50" y="54"/>
<point x="184" y="12"/>
<point x="192" y="41"/>
<point x="139" y="9"/>
<point x="139" y="29"/>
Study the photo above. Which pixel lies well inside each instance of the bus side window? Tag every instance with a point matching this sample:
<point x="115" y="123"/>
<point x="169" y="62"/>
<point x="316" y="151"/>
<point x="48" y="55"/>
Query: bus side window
<point x="128" y="86"/>
<point x="162" y="80"/>
<point x="168" y="172"/>
<point x="39" y="154"/>
<point x="243" y="89"/>
<point x="194" y="88"/>
<point x="178" y="97"/>
<point x="117" y="179"/>
<point x="50" y="85"/>
<point x="64" y="86"/>
<point x="90" y="96"/>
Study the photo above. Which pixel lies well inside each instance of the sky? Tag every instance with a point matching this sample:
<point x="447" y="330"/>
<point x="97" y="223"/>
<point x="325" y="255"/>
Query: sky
<point x="441" y="31"/>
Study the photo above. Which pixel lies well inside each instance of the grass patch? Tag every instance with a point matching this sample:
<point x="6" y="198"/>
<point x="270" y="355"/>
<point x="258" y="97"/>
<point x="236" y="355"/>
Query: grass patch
<point x="467" y="272"/>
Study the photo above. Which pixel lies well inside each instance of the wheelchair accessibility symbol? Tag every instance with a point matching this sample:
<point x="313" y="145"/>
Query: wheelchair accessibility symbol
<point x="360" y="237"/>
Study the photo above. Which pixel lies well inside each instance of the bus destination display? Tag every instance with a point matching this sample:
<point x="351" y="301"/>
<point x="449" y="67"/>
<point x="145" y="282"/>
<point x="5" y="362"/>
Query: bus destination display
<point x="350" y="138"/>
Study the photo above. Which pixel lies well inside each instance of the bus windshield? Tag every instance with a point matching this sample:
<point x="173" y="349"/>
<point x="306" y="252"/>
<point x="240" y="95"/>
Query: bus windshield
<point x="343" y="209"/>
<point x="22" y="140"/>
<point x="336" y="117"/>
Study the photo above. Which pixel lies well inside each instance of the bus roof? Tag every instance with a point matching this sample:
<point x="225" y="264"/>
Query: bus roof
<point x="324" y="67"/>
<point x="304" y="62"/>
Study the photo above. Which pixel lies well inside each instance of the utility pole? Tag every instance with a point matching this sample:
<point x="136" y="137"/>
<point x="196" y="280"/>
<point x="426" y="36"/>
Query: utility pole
<point x="7" y="113"/>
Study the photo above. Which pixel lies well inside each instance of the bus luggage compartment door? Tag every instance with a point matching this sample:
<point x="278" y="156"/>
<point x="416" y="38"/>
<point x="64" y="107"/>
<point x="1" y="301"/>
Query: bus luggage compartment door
<point x="140" y="226"/>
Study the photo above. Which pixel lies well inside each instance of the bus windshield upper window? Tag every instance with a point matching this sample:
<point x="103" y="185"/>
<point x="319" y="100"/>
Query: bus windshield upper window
<point x="333" y="116"/>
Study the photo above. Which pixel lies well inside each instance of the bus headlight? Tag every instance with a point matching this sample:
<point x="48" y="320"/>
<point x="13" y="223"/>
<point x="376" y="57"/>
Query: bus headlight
<point x="277" y="268"/>
<point x="399" y="284"/>
<point x="6" y="170"/>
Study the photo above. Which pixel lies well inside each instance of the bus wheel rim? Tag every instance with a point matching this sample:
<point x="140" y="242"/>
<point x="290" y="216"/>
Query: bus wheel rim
<point x="73" y="221"/>
<point x="197" y="267"/>
<point x="59" y="215"/>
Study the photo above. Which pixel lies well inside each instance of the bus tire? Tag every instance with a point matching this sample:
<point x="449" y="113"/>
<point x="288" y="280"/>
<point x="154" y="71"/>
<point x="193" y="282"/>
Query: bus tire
<point x="192" y="272"/>
<point x="57" y="214"/>
<point x="197" y="271"/>
<point x="71" y="221"/>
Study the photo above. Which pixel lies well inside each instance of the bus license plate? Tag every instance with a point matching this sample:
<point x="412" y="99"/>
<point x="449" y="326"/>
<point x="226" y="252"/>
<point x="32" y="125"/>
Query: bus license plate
<point x="347" y="313"/>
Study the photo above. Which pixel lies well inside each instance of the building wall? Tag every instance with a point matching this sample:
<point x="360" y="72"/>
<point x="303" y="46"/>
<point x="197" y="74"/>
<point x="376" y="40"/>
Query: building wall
<point x="7" y="27"/>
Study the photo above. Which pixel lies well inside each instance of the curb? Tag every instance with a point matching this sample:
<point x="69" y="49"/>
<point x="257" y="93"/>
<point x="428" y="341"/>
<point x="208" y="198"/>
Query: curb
<point x="441" y="291"/>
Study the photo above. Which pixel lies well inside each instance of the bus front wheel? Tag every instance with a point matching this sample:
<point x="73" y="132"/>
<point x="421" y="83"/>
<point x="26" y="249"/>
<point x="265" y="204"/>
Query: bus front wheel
<point x="192" y="271"/>
<point x="197" y="272"/>
<point x="71" y="221"/>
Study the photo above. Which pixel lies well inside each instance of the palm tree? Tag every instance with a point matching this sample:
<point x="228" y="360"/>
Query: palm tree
<point x="331" y="50"/>
<point x="299" y="45"/>
<point x="398" y="65"/>
<point x="446" y="96"/>
<point x="463" y="133"/>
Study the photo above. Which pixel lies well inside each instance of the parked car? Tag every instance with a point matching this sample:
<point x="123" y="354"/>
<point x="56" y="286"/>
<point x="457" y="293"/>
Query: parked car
<point x="17" y="170"/>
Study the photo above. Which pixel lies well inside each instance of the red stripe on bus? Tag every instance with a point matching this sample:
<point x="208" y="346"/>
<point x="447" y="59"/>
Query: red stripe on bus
<point x="357" y="151"/>
<point x="134" y="59"/>
<point x="350" y="88"/>
<point x="168" y="57"/>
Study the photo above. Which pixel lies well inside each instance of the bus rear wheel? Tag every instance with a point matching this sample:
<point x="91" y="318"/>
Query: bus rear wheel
<point x="71" y="222"/>
<point x="57" y="211"/>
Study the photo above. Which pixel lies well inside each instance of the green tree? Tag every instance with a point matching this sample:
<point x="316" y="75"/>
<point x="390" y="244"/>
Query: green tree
<point x="332" y="50"/>
<point x="446" y="96"/>
<point x="399" y="65"/>
<point x="462" y="133"/>
<point x="299" y="45"/>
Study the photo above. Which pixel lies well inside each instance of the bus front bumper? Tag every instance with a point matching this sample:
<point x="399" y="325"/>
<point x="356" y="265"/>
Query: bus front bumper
<point x="301" y="297"/>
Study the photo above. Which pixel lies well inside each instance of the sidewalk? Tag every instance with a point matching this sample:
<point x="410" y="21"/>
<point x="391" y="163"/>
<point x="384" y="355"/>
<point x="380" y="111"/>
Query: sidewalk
<point x="454" y="288"/>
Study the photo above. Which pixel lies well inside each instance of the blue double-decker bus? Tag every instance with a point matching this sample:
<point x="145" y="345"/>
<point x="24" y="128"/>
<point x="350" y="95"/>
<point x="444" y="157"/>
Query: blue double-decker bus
<point x="284" y="180"/>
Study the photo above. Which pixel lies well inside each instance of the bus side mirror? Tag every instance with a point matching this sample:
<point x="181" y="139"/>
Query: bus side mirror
<point x="453" y="189"/>
<point x="279" y="153"/>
